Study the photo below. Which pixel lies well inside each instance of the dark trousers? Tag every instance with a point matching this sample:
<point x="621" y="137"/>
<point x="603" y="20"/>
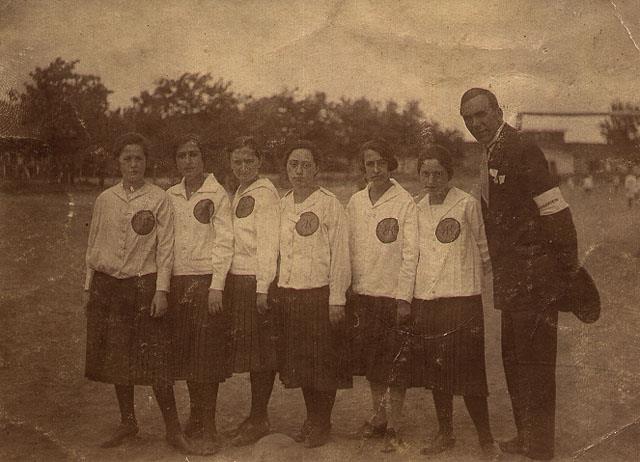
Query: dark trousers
<point x="529" y="344"/>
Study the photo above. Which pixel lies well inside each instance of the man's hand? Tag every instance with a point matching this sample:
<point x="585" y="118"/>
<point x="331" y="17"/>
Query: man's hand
<point x="403" y="312"/>
<point x="336" y="314"/>
<point x="159" y="304"/>
<point x="215" y="301"/>
<point x="261" y="303"/>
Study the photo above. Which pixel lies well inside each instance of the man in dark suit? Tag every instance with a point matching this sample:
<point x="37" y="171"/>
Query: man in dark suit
<point x="533" y="245"/>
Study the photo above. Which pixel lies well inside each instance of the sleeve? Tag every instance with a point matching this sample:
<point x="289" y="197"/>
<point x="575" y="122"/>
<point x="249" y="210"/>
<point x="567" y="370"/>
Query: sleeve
<point x="541" y="186"/>
<point x="561" y="234"/>
<point x="473" y="215"/>
<point x="93" y="232"/>
<point x="340" y="269"/>
<point x="410" y="250"/>
<point x="222" y="251"/>
<point x="351" y="216"/>
<point x="164" y="247"/>
<point x="267" y="238"/>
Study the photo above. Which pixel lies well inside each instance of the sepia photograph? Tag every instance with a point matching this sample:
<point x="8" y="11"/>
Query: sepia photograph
<point x="330" y="230"/>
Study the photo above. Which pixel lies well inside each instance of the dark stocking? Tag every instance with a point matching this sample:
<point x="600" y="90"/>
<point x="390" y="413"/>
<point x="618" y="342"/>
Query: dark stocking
<point x="444" y="410"/>
<point x="261" y="388"/>
<point x="125" y="402"/>
<point x="479" y="412"/>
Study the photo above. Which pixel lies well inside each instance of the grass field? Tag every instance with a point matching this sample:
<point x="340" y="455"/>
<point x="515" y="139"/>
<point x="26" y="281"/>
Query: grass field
<point x="48" y="411"/>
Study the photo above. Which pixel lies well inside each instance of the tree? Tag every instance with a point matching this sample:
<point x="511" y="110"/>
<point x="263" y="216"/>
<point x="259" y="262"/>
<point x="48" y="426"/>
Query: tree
<point x="622" y="129"/>
<point x="68" y="109"/>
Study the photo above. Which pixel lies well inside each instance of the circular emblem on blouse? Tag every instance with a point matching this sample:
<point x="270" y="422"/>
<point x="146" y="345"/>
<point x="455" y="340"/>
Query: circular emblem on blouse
<point x="203" y="211"/>
<point x="448" y="230"/>
<point x="245" y="206"/>
<point x="387" y="230"/>
<point x="143" y="222"/>
<point x="307" y="224"/>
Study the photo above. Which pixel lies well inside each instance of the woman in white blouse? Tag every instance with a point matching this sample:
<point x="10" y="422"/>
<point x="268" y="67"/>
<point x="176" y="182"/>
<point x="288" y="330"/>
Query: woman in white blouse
<point x="256" y="224"/>
<point x="313" y="278"/>
<point x="203" y="251"/>
<point x="448" y="353"/>
<point x="129" y="261"/>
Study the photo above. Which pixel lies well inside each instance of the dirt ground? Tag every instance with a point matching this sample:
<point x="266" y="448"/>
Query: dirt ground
<point x="49" y="411"/>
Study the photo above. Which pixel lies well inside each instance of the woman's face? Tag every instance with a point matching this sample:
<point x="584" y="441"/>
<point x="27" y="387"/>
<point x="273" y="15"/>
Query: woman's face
<point x="301" y="168"/>
<point x="376" y="168"/>
<point x="245" y="164"/>
<point x="433" y="176"/>
<point x="189" y="161"/>
<point x="132" y="163"/>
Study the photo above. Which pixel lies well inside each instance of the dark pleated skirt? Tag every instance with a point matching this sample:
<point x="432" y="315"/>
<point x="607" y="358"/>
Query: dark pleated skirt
<point x="380" y="350"/>
<point x="254" y="335"/>
<point x="311" y="352"/>
<point x="448" y="345"/>
<point x="125" y="345"/>
<point x="201" y="342"/>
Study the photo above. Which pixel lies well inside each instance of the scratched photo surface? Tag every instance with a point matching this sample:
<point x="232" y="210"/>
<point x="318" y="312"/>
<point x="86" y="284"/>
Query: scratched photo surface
<point x="564" y="71"/>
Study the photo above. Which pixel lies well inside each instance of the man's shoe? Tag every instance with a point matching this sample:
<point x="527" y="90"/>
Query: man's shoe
<point x="392" y="441"/>
<point x="318" y="436"/>
<point x="194" y="428"/>
<point x="440" y="443"/>
<point x="304" y="432"/>
<point x="124" y="431"/>
<point x="512" y="446"/>
<point x="491" y="451"/>
<point x="252" y="431"/>
<point x="369" y="430"/>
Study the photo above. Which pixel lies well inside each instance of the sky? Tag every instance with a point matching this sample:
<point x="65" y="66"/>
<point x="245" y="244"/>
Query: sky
<point x="543" y="55"/>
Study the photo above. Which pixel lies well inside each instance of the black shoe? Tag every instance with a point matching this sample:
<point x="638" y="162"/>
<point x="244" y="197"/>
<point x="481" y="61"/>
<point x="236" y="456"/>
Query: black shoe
<point x="392" y="441"/>
<point x="491" y="451"/>
<point x="440" y="443"/>
<point x="512" y="446"/>
<point x="185" y="446"/>
<point x="194" y="428"/>
<point x="124" y="431"/>
<point x="304" y="432"/>
<point x="369" y="430"/>
<point x="251" y="432"/>
<point x="318" y="436"/>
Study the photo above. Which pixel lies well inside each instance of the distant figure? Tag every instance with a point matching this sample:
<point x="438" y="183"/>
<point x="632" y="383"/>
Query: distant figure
<point x="587" y="184"/>
<point x="631" y="188"/>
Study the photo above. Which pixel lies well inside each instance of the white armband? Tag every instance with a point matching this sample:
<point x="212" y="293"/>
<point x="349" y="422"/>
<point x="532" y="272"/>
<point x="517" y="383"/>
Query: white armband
<point x="550" y="202"/>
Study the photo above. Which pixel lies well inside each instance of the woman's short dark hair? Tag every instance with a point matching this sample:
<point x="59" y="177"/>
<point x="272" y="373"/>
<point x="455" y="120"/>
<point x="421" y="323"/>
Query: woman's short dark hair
<point x="380" y="146"/>
<point x="131" y="138"/>
<point x="246" y="142"/>
<point x="185" y="138"/>
<point x="439" y="153"/>
<point x="302" y="144"/>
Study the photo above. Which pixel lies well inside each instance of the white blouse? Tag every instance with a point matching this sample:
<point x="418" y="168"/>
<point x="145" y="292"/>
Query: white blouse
<point x="383" y="243"/>
<point x="453" y="247"/>
<point x="203" y="229"/>
<point x="256" y="226"/>
<point x="314" y="247"/>
<point x="131" y="235"/>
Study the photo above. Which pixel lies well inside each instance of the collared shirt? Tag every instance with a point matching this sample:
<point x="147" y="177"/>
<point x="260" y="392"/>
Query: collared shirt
<point x="256" y="225"/>
<point x="383" y="243"/>
<point x="484" y="164"/>
<point x="131" y="235"/>
<point x="453" y="247"/>
<point x="314" y="245"/>
<point x="203" y="229"/>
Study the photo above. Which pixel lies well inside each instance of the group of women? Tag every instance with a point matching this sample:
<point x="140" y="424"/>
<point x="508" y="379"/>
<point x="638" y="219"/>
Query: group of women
<point x="190" y="285"/>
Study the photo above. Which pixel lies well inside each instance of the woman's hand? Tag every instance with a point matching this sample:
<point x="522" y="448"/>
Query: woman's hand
<point x="261" y="303"/>
<point x="403" y="311"/>
<point x="159" y="304"/>
<point x="336" y="314"/>
<point x="215" y="301"/>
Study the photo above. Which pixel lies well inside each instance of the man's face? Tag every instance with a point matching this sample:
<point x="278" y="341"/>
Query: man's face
<point x="482" y="120"/>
